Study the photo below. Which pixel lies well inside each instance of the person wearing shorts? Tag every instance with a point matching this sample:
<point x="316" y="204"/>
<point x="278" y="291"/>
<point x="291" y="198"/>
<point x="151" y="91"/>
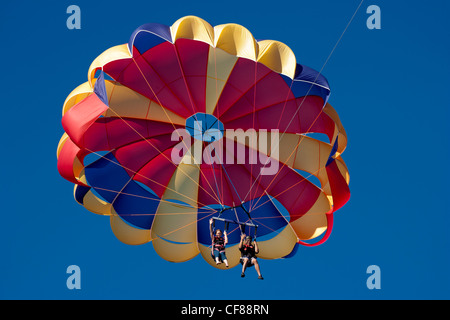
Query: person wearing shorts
<point x="218" y="245"/>
<point x="249" y="251"/>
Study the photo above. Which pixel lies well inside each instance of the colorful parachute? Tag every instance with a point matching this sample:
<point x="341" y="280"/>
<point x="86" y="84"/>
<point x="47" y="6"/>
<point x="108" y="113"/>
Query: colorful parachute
<point x="194" y="122"/>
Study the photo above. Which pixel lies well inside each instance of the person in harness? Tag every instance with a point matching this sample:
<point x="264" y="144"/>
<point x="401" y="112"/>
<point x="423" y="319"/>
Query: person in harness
<point x="218" y="244"/>
<point x="249" y="251"/>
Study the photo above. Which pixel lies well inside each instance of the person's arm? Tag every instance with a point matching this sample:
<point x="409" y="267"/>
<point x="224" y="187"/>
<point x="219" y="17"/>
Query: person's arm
<point x="210" y="229"/>
<point x="242" y="239"/>
<point x="256" y="247"/>
<point x="211" y="234"/>
<point x="225" y="238"/>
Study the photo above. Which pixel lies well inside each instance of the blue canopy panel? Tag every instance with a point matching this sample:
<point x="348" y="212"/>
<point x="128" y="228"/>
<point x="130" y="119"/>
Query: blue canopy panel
<point x="205" y="127"/>
<point x="112" y="183"/>
<point x="332" y="153"/>
<point x="148" y="36"/>
<point x="100" y="89"/>
<point x="80" y="192"/>
<point x="306" y="73"/>
<point x="267" y="217"/>
<point x="308" y="82"/>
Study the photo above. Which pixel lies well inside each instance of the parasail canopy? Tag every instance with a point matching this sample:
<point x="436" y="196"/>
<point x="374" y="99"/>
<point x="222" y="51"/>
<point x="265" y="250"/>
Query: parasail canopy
<point x="189" y="122"/>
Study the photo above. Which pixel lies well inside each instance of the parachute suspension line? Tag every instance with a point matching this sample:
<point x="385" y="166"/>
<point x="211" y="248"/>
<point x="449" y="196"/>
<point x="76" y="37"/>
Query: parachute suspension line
<point x="173" y="125"/>
<point x="246" y="211"/>
<point x="151" y="144"/>
<point x="237" y="219"/>
<point x="220" y="192"/>
<point x="217" y="119"/>
<point x="241" y="225"/>
<point x="251" y="221"/>
<point x="195" y="117"/>
<point x="278" y="125"/>
<point x="194" y="113"/>
<point x="320" y="72"/>
<point x="298" y="108"/>
<point x="216" y="107"/>
<point x="139" y="174"/>
<point x="148" y="198"/>
<point x="253" y="123"/>
<point x="182" y="227"/>
<point x="324" y="238"/>
<point x="294" y="150"/>
<point x="164" y="155"/>
<point x="287" y="189"/>
<point x="184" y="79"/>
<point x="229" y="179"/>
<point x="215" y="180"/>
<point x="118" y="193"/>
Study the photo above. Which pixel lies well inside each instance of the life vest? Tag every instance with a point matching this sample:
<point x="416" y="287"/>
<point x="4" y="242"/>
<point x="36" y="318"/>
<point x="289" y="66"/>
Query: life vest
<point x="248" y="250"/>
<point x="219" y="244"/>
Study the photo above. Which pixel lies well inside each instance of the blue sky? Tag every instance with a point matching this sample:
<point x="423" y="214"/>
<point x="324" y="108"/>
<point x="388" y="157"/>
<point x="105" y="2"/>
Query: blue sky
<point x="389" y="87"/>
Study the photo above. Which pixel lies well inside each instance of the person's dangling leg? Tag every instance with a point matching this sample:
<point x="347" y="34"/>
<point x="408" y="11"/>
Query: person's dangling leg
<point x="244" y="266"/>
<point x="256" y="264"/>
<point x="224" y="258"/>
<point x="216" y="256"/>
